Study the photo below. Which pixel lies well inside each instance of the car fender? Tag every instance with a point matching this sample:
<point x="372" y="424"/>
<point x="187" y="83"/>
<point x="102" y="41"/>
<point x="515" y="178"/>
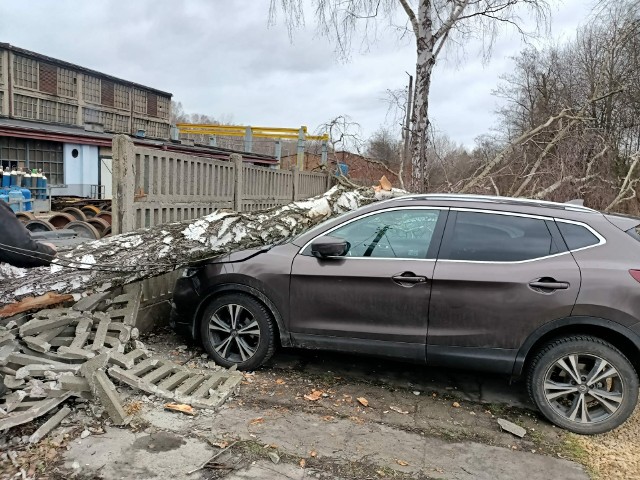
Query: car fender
<point x="234" y="286"/>
<point x="573" y="321"/>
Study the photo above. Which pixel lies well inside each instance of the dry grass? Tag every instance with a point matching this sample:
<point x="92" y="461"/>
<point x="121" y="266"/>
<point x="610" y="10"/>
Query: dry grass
<point x="613" y="455"/>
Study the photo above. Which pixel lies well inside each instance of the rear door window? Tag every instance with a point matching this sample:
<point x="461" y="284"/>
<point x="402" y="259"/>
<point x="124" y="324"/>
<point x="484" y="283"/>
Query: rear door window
<point x="577" y="236"/>
<point x="489" y="237"/>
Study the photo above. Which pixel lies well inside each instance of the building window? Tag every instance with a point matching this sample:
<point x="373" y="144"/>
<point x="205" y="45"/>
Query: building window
<point x="106" y="119"/>
<point x="121" y="124"/>
<point x="164" y="107"/>
<point x="67" y="114"/>
<point x="91" y="88"/>
<point x="47" y="111"/>
<point x="25" y="71"/>
<point x="139" y="101"/>
<point x="25" y="107"/>
<point x="122" y="97"/>
<point x="67" y="83"/>
<point x="43" y="155"/>
<point x="90" y="115"/>
<point x="1" y="101"/>
<point x="140" y="124"/>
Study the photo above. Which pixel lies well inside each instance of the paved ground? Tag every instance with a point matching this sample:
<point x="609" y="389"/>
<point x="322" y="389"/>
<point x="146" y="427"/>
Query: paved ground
<point x="303" y="412"/>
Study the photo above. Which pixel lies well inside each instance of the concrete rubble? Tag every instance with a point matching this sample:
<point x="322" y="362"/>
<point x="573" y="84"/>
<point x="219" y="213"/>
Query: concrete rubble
<point x="78" y="352"/>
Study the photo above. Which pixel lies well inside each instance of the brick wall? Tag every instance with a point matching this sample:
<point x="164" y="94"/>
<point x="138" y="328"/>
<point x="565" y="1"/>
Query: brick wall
<point x="48" y="78"/>
<point x="107" y="93"/>
<point x="152" y="104"/>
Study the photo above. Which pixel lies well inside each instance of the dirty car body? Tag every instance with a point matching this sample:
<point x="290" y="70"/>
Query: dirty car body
<point x="519" y="287"/>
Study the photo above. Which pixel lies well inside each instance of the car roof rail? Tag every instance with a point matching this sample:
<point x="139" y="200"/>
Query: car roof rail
<point x="459" y="197"/>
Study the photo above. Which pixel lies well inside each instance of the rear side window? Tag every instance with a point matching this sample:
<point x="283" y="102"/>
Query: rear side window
<point x="577" y="236"/>
<point x="489" y="237"/>
<point x="634" y="232"/>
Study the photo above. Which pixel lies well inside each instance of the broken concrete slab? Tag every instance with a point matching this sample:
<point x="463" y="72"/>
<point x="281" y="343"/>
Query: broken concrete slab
<point x="28" y="411"/>
<point x="36" y="326"/>
<point x="91" y="302"/>
<point x="105" y="391"/>
<point x="73" y="383"/>
<point x="169" y="380"/>
<point x="90" y="367"/>
<point x="126" y="306"/>
<point x="49" y="425"/>
<point x="12" y="383"/>
<point x="512" y="428"/>
<point x="40" y="343"/>
<point x="40" y="370"/>
<point x="128" y="360"/>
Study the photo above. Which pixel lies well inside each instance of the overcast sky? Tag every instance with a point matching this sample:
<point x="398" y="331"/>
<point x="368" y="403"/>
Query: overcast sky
<point x="221" y="58"/>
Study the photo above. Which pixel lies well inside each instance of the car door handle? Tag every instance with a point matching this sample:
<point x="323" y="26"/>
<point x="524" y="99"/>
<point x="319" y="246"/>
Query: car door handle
<point x="408" y="277"/>
<point x="549" y="285"/>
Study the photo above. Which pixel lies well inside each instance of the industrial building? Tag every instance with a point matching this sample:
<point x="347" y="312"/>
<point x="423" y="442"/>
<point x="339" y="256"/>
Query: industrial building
<point x="60" y="118"/>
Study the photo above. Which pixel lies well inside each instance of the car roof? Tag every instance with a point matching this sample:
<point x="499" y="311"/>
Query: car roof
<point x="495" y="200"/>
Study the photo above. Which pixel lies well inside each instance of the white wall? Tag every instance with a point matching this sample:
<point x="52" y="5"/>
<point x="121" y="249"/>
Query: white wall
<point x="80" y="172"/>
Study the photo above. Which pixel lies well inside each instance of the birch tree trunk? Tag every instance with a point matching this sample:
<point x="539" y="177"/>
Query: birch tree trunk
<point x="111" y="262"/>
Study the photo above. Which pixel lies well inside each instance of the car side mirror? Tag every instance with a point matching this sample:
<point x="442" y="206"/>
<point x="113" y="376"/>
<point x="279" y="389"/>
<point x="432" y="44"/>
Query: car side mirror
<point x="328" y="246"/>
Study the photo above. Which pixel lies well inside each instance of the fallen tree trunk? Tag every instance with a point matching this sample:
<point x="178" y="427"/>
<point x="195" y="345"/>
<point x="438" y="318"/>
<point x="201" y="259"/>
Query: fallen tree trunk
<point x="105" y="264"/>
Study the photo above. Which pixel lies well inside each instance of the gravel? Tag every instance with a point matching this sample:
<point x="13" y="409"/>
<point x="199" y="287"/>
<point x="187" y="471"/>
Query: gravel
<point x="614" y="455"/>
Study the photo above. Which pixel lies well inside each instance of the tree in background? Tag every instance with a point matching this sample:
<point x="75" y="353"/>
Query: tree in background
<point x="570" y="125"/>
<point x="435" y="24"/>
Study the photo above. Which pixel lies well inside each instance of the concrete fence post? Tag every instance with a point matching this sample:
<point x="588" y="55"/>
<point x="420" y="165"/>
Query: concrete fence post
<point x="236" y="159"/>
<point x="295" y="183"/>
<point x="329" y="181"/>
<point x="123" y="184"/>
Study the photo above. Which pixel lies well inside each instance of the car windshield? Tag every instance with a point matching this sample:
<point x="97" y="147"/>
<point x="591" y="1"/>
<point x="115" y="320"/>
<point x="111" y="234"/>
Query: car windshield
<point x="318" y="227"/>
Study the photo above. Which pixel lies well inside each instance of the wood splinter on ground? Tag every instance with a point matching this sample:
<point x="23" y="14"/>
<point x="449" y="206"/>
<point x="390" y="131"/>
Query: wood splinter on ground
<point x="180" y="407"/>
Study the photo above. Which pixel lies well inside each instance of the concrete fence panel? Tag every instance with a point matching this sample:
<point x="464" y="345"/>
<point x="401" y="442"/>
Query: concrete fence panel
<point x="152" y="187"/>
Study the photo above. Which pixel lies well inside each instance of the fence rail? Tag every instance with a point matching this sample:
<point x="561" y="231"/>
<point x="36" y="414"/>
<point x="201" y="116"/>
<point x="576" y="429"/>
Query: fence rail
<point x="152" y="187"/>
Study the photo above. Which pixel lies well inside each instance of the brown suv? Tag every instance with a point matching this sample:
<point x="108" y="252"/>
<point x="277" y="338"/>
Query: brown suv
<point x="520" y="287"/>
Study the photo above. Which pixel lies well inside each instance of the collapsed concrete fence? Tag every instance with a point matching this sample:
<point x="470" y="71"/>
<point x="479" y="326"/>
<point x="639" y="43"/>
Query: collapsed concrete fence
<point x="152" y="187"/>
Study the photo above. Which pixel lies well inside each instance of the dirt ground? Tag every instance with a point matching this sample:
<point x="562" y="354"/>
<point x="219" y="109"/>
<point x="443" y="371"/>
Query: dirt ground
<point x="324" y="415"/>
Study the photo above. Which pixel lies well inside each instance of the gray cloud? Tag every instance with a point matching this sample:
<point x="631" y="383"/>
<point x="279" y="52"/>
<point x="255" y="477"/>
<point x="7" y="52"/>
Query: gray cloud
<point x="221" y="58"/>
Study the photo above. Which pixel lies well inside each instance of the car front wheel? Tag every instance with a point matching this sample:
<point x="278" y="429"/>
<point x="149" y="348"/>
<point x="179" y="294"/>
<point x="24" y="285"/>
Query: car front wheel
<point x="583" y="384"/>
<point x="237" y="330"/>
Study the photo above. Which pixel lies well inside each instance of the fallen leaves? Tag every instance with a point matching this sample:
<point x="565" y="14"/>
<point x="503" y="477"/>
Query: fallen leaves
<point x="328" y="418"/>
<point x="455" y="405"/>
<point x="180" y="407"/>
<point x="363" y="401"/>
<point x="133" y="408"/>
<point x="222" y="444"/>
<point x="256" y="421"/>
<point x="313" y="453"/>
<point x="280" y="381"/>
<point x="303" y="463"/>
<point x="314" y="396"/>
<point x="402" y="463"/>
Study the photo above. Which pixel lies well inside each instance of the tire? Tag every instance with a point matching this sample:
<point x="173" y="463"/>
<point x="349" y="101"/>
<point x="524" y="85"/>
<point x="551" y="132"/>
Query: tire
<point x="225" y="342"/>
<point x="604" y="397"/>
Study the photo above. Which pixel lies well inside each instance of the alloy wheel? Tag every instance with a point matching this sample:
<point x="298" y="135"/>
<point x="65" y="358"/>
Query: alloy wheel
<point x="583" y="388"/>
<point x="235" y="332"/>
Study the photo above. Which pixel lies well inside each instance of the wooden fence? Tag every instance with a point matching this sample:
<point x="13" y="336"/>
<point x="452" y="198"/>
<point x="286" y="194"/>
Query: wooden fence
<point x="152" y="187"/>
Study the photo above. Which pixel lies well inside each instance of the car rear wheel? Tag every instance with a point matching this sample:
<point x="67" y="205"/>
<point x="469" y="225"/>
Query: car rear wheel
<point x="237" y="330"/>
<point x="583" y="384"/>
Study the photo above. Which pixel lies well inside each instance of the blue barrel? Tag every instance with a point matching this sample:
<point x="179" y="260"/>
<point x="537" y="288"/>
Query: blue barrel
<point x="16" y="194"/>
<point x="14" y="178"/>
<point x="6" y="178"/>
<point x="27" y="196"/>
<point x="4" y="194"/>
